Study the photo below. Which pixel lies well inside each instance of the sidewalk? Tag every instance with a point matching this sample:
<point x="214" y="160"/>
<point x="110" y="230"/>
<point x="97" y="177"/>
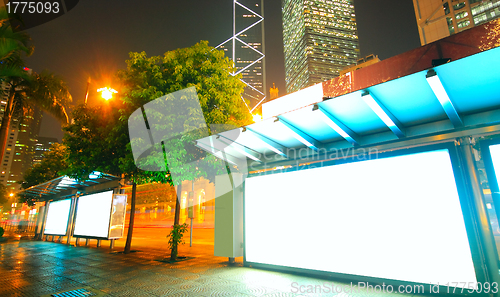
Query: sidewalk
<point x="38" y="268"/>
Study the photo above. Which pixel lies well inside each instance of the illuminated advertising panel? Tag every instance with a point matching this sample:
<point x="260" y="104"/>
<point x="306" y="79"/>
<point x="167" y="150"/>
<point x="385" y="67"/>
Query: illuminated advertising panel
<point x="495" y="158"/>
<point x="393" y="218"/>
<point x="57" y="217"/>
<point x="117" y="224"/>
<point x="93" y="214"/>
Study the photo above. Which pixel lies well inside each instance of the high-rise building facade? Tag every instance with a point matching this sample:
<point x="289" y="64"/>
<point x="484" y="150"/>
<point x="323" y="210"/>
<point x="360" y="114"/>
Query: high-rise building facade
<point x="29" y="129"/>
<point x="438" y="19"/>
<point x="320" y="38"/>
<point x="43" y="145"/>
<point x="246" y="48"/>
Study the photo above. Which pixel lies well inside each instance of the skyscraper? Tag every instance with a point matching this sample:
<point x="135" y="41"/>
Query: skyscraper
<point x="21" y="140"/>
<point x="246" y="48"/>
<point x="24" y="147"/>
<point x="438" y="19"/>
<point x="320" y="38"/>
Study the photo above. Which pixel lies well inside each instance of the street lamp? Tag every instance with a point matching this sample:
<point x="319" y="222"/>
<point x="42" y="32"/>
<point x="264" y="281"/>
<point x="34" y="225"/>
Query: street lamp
<point x="107" y="93"/>
<point x="257" y="118"/>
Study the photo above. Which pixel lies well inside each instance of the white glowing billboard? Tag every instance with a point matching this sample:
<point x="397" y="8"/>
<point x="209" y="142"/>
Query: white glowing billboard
<point x="393" y="218"/>
<point x="57" y="217"/>
<point x="93" y="215"/>
<point x="495" y="158"/>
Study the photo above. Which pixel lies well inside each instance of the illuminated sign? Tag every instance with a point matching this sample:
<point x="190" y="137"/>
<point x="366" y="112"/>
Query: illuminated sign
<point x="57" y="217"/>
<point x="393" y="218"/>
<point x="93" y="215"/>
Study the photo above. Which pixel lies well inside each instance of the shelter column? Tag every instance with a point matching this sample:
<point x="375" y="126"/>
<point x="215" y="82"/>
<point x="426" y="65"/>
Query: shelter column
<point x="478" y="210"/>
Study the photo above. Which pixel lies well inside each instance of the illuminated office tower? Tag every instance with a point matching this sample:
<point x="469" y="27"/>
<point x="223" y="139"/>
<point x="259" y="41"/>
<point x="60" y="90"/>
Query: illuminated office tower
<point x="246" y="48"/>
<point x="25" y="146"/>
<point x="320" y="38"/>
<point x="438" y="19"/>
<point x="21" y="143"/>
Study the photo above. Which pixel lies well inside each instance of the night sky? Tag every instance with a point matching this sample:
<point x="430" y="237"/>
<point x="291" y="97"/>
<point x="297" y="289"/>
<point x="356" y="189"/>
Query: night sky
<point x="95" y="37"/>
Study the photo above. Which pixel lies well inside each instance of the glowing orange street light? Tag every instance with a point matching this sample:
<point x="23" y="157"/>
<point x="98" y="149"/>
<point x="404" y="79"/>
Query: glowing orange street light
<point x="107" y="93"/>
<point x="11" y="194"/>
<point x="257" y="118"/>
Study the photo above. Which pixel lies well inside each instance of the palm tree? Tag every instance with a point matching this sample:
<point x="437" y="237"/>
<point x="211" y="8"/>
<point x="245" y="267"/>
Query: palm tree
<point x="44" y="90"/>
<point x="23" y="89"/>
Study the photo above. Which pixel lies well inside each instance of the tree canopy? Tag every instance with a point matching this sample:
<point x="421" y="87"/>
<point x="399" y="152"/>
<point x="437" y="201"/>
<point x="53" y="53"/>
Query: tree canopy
<point x="98" y="138"/>
<point x="200" y="66"/>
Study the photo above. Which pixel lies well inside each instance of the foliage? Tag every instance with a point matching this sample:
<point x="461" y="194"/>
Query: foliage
<point x="175" y="237"/>
<point x="1" y="231"/>
<point x="44" y="90"/>
<point x="208" y="70"/>
<point x="98" y="138"/>
<point x="95" y="141"/>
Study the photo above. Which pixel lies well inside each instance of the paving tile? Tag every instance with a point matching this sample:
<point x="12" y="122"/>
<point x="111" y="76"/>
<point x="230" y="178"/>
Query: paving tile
<point x="35" y="268"/>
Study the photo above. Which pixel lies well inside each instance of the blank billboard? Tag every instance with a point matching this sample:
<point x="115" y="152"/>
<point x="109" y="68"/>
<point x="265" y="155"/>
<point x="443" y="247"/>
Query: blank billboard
<point x="495" y="158"/>
<point x="93" y="214"/>
<point x="57" y="217"/>
<point x="392" y="218"/>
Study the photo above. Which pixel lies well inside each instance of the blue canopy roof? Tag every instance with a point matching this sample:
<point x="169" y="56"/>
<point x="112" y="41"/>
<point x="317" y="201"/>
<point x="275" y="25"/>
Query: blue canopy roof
<point x="458" y="95"/>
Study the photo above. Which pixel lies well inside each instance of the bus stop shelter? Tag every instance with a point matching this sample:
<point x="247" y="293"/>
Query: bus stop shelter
<point x="88" y="209"/>
<point x="387" y="174"/>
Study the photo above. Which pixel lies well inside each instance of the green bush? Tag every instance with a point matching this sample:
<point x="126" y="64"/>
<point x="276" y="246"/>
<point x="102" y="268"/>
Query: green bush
<point x="175" y="238"/>
<point x="1" y="231"/>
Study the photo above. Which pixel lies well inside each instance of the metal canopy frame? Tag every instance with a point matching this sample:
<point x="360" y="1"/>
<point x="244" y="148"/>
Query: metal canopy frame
<point x="443" y="100"/>
<point x="65" y="186"/>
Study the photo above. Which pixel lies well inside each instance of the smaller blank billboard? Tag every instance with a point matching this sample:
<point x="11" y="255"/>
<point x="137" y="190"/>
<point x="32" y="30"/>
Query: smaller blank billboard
<point x="57" y="217"/>
<point x="495" y="158"/>
<point x="93" y="214"/>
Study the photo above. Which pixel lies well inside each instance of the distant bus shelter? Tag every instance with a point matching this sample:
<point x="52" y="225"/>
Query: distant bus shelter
<point x="385" y="175"/>
<point x="90" y="209"/>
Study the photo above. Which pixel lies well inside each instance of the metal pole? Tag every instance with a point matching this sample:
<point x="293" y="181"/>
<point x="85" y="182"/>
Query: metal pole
<point x="191" y="234"/>
<point x="483" y="232"/>
<point x="191" y="226"/>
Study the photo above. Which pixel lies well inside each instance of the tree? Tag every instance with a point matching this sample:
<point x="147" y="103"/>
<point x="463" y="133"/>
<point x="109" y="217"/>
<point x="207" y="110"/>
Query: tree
<point x="92" y="141"/>
<point x="98" y="138"/>
<point x="22" y="88"/>
<point x="13" y="43"/>
<point x="201" y="66"/>
<point x="52" y="166"/>
<point x="44" y="90"/>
